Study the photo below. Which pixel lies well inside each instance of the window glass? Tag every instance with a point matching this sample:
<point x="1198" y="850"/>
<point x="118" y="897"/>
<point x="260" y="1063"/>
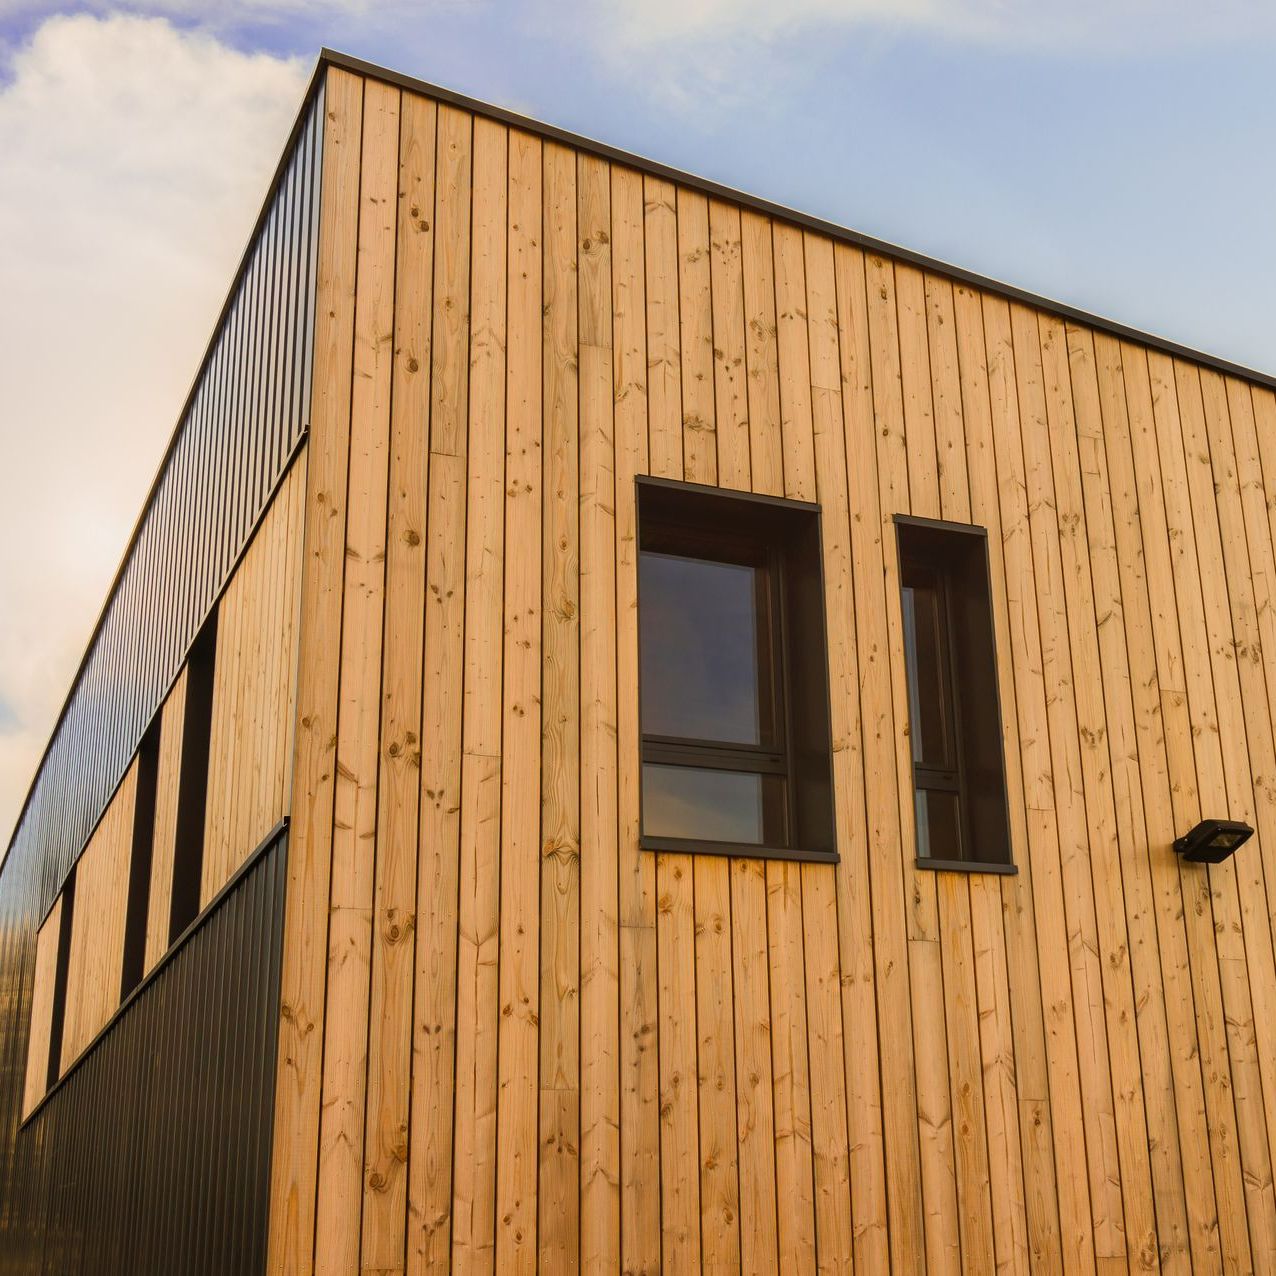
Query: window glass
<point x="953" y="716"/>
<point x="716" y="806"/>
<point x="938" y="825"/>
<point x="701" y="666"/>
<point x="733" y="682"/>
<point x="926" y="657"/>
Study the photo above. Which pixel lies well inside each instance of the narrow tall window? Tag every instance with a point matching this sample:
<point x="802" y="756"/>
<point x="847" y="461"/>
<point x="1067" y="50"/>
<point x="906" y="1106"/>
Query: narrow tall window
<point x="953" y="709"/>
<point x="192" y="785"/>
<point x="733" y="682"/>
<point x="139" y="885"/>
<point x="58" y="1021"/>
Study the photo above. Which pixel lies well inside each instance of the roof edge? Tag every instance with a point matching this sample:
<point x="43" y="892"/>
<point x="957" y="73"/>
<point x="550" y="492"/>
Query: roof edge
<point x="348" y="62"/>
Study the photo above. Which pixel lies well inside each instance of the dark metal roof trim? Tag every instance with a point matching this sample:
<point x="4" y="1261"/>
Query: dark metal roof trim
<point x="331" y="57"/>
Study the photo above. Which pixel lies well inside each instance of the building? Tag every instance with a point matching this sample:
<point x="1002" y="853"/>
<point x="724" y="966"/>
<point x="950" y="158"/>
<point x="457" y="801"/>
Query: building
<point x="370" y="913"/>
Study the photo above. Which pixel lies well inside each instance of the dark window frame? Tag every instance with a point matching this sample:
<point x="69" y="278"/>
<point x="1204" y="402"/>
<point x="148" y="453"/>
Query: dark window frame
<point x="956" y="779"/>
<point x="689" y="532"/>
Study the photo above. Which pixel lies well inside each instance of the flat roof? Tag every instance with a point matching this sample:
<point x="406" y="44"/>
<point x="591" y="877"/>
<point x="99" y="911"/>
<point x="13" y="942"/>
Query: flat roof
<point x="332" y="57"/>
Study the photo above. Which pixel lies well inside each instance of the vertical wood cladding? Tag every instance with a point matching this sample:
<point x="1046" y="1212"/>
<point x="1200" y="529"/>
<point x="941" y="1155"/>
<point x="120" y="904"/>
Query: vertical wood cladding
<point x="511" y="1041"/>
<point x="250" y="742"/>
<point x="97" y="928"/>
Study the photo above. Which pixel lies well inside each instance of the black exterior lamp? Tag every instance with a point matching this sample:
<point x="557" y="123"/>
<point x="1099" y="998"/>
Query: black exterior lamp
<point x="1212" y="841"/>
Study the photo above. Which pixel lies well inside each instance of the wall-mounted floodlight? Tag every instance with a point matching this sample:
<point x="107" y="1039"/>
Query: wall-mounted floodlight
<point x="1212" y="841"/>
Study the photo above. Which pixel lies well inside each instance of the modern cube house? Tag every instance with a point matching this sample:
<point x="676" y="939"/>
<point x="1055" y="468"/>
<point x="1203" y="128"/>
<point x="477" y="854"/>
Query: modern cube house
<point x="639" y="732"/>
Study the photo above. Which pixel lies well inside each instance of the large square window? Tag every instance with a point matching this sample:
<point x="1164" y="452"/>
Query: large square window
<point x="733" y="676"/>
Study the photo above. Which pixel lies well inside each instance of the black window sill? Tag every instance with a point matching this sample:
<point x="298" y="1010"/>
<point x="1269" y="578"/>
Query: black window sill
<point x="966" y="866"/>
<point x="738" y="850"/>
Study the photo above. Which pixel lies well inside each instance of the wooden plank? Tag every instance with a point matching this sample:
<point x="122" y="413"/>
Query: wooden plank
<point x="664" y="360"/>
<point x="639" y="1071"/>
<point x="1102" y="863"/>
<point x="355" y="833"/>
<point x="896" y="314"/>
<point x="790" y="1069"/>
<point x="791" y="1076"/>
<point x="730" y="372"/>
<point x="755" y="1117"/>
<point x="394" y="918"/>
<point x="96" y="958"/>
<point x="975" y="1172"/>
<point x="834" y="1226"/>
<point x="251" y="696"/>
<point x="478" y="918"/>
<point x="715" y="1054"/>
<point x="679" y="1129"/>
<point x="438" y="855"/>
<point x="761" y="354"/>
<point x="599" y="946"/>
<point x="881" y="774"/>
<point x="41" y="1020"/>
<point x="1042" y="837"/>
<point x="1171" y="1081"/>
<point x="518" y="1046"/>
<point x="755" y="1113"/>
<point x="715" y="1044"/>
<point x="675" y="908"/>
<point x="842" y="399"/>
<point x="695" y="321"/>
<point x="159" y="905"/>
<point x="294" y="1165"/>
<point x="560" y="732"/>
<point x="1011" y="1029"/>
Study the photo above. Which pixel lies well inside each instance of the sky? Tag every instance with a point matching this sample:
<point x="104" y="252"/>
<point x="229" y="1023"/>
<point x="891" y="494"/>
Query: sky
<point x="1112" y="154"/>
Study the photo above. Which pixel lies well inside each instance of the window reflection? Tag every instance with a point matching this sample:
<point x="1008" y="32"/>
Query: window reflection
<point x="717" y="806"/>
<point x="927" y="657"/>
<point x="700" y="650"/>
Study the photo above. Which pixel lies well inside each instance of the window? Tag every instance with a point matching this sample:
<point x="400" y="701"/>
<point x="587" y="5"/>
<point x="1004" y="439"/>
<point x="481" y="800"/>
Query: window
<point x="733" y="678"/>
<point x="953" y="708"/>
<point x="139" y="888"/>
<point x="192" y="785"/>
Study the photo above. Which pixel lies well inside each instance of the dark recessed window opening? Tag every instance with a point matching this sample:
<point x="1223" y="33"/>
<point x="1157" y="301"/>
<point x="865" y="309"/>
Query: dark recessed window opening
<point x="139" y="885"/>
<point x="192" y="785"/>
<point x="60" y="970"/>
<point x="953" y="709"/>
<point x="733" y="676"/>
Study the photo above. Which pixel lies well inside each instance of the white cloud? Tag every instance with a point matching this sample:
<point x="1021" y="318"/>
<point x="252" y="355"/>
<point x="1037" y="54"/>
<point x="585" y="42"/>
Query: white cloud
<point x="135" y="157"/>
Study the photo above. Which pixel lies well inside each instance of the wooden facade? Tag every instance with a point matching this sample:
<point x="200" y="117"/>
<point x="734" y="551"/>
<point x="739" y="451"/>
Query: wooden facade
<point x="514" y="1041"/>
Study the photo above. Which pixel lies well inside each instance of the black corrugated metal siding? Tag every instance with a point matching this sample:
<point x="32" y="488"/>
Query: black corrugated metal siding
<point x="152" y="1156"/>
<point x="245" y="415"/>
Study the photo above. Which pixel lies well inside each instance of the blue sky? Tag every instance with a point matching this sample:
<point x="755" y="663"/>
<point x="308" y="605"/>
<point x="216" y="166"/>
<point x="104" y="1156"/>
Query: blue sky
<point x="1114" y="155"/>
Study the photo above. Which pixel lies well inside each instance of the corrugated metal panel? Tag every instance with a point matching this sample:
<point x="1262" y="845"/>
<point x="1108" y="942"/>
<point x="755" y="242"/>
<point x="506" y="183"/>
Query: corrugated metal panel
<point x="152" y="1155"/>
<point x="244" y="417"/>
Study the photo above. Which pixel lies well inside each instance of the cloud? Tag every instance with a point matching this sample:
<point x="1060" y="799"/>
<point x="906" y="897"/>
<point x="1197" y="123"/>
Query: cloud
<point x="693" y="57"/>
<point x="1095" y="25"/>
<point x="135" y="158"/>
